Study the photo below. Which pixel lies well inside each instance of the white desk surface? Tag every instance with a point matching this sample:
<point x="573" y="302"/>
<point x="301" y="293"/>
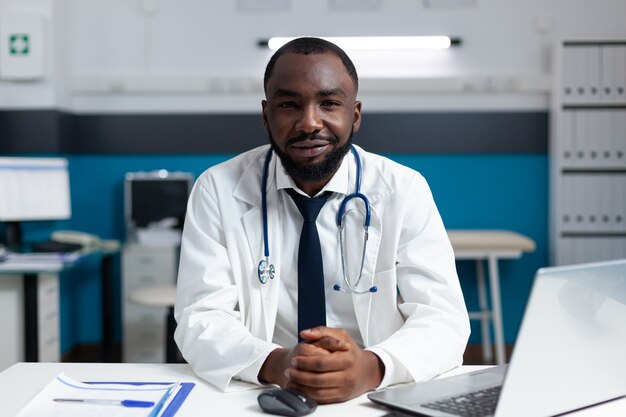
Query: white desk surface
<point x="19" y="383"/>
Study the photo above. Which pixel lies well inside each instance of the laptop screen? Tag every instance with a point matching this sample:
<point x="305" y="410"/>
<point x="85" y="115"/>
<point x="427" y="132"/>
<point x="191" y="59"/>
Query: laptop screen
<point x="570" y="349"/>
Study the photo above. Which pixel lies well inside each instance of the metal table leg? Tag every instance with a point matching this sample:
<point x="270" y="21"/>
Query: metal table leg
<point x="496" y="309"/>
<point x="171" y="350"/>
<point x="485" y="313"/>
<point x="31" y="322"/>
<point x="107" y="308"/>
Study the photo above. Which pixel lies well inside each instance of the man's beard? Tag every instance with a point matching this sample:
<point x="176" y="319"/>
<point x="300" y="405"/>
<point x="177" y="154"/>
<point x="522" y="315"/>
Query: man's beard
<point x="312" y="172"/>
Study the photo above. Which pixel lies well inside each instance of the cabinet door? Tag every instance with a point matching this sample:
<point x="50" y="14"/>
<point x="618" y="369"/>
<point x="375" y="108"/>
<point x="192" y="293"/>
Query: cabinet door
<point x="48" y="317"/>
<point x="144" y="341"/>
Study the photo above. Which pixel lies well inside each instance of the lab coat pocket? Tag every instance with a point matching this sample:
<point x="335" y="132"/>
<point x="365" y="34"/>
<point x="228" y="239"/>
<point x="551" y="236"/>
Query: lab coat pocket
<point x="385" y="282"/>
<point x="384" y="317"/>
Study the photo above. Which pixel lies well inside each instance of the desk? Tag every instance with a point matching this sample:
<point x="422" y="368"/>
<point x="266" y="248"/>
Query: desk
<point x="30" y="275"/>
<point x="203" y="400"/>
<point x="489" y="245"/>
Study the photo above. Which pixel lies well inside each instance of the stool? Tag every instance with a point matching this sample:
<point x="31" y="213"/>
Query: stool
<point x="489" y="245"/>
<point x="161" y="296"/>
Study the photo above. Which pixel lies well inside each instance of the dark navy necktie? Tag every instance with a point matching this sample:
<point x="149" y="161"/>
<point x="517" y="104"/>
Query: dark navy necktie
<point x="311" y="298"/>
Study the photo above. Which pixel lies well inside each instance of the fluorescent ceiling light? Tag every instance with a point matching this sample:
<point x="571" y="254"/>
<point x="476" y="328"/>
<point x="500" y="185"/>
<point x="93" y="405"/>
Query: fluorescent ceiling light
<point x="377" y="42"/>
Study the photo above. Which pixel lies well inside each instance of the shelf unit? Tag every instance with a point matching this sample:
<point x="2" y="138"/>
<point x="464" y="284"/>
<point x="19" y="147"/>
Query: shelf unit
<point x="588" y="152"/>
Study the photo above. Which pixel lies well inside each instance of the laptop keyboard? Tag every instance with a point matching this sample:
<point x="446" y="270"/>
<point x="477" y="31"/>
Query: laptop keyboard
<point x="474" y="404"/>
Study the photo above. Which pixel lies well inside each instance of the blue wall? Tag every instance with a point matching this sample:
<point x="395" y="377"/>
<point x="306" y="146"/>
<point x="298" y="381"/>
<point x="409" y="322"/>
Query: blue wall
<point x="472" y="191"/>
<point x="493" y="192"/>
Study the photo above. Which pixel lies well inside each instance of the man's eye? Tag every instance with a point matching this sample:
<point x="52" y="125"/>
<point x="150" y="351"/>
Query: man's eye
<point x="287" y="105"/>
<point x="330" y="103"/>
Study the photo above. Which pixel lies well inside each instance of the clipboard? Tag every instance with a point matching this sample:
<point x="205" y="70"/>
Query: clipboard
<point x="173" y="406"/>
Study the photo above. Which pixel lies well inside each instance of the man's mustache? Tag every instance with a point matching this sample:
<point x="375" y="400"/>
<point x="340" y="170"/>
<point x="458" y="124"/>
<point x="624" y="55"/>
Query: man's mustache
<point x="316" y="136"/>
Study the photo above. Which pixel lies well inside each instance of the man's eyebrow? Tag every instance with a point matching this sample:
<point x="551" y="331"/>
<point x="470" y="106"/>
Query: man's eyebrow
<point x="332" y="92"/>
<point x="281" y="92"/>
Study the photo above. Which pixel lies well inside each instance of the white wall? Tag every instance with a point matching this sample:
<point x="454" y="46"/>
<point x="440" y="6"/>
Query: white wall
<point x="200" y="55"/>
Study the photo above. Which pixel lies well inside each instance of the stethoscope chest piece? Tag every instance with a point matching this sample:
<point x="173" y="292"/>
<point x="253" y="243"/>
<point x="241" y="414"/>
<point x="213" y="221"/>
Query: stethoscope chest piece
<point x="265" y="271"/>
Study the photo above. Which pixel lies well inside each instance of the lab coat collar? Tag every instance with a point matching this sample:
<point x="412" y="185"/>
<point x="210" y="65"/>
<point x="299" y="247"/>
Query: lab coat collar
<point x="373" y="182"/>
<point x="339" y="183"/>
<point x="248" y="188"/>
<point x="374" y="185"/>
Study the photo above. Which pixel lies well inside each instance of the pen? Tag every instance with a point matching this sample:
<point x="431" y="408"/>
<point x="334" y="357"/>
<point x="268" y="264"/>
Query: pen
<point x="123" y="403"/>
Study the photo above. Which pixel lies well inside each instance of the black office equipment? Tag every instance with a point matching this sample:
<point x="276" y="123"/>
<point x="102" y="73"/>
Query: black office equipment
<point x="151" y="197"/>
<point x="286" y="402"/>
<point x="52" y="246"/>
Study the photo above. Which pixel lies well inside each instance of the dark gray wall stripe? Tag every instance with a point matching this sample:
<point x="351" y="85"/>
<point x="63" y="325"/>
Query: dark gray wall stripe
<point x="167" y="134"/>
<point x="32" y="131"/>
<point x="479" y="132"/>
<point x="424" y="132"/>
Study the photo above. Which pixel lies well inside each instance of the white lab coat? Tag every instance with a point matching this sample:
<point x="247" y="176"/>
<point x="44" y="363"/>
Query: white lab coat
<point x="226" y="316"/>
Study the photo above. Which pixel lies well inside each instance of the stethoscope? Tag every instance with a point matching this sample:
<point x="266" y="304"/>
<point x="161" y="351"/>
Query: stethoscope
<point x="266" y="270"/>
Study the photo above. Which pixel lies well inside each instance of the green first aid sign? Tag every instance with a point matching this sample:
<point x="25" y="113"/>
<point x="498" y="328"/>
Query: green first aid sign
<point x="19" y="44"/>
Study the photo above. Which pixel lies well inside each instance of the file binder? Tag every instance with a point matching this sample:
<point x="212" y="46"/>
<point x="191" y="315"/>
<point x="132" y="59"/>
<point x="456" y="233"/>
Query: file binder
<point x="173" y="406"/>
<point x="61" y="395"/>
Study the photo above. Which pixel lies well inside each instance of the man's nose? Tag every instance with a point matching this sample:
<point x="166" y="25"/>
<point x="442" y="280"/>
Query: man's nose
<point x="309" y="120"/>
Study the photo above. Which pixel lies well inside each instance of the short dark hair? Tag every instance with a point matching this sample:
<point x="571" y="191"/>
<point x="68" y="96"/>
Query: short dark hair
<point x="310" y="45"/>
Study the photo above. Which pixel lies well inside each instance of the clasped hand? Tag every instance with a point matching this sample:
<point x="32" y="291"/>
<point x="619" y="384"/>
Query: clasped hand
<point x="328" y="366"/>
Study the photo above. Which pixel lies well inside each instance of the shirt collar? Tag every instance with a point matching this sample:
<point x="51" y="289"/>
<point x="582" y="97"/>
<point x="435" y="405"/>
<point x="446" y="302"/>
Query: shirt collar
<point x="338" y="183"/>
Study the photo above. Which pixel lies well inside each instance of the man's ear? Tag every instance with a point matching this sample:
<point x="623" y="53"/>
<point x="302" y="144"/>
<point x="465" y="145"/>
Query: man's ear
<point x="264" y="114"/>
<point x="356" y="122"/>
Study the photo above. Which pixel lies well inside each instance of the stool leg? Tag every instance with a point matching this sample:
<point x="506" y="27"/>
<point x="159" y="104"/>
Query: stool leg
<point x="171" y="350"/>
<point x="494" y="283"/>
<point x="485" y="314"/>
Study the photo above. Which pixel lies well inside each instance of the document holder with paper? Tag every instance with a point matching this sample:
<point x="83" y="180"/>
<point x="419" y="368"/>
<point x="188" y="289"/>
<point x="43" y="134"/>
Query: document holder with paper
<point x="66" y="397"/>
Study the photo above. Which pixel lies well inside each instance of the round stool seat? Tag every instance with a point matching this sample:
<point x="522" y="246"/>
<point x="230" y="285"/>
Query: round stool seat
<point x="158" y="296"/>
<point x="161" y="296"/>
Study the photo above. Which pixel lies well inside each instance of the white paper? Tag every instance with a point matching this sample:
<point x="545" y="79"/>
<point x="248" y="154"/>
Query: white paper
<point x="43" y="405"/>
<point x="44" y="262"/>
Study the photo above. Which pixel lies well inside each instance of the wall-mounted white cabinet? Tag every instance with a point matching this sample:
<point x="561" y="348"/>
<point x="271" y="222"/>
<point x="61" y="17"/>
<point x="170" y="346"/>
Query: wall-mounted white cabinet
<point x="588" y="152"/>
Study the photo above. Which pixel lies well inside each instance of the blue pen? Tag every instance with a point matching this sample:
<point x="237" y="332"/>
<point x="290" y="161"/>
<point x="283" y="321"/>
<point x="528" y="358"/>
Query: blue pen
<point x="123" y="403"/>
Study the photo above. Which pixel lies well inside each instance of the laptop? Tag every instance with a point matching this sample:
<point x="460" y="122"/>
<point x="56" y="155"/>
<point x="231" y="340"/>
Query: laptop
<point x="570" y="354"/>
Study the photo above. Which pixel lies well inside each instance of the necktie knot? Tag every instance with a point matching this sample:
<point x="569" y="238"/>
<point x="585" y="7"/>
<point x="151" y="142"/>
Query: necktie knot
<point x="309" y="207"/>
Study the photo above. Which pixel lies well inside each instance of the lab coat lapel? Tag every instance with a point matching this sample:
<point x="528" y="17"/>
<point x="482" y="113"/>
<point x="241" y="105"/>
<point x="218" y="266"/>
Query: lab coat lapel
<point x="263" y="297"/>
<point x="376" y="188"/>
<point x="362" y="302"/>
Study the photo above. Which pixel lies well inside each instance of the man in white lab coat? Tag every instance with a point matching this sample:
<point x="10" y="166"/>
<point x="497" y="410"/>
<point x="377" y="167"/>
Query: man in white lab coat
<point x="404" y="320"/>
